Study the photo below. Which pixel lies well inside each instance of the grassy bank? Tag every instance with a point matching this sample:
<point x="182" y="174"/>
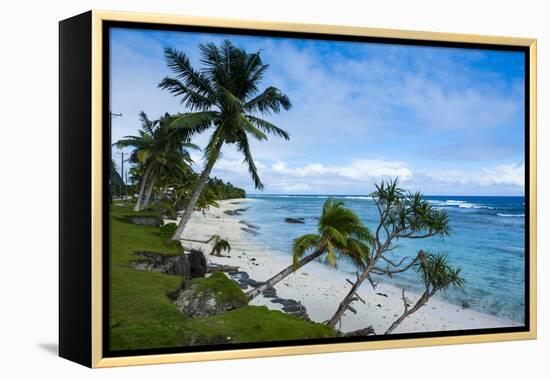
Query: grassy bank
<point x="142" y="315"/>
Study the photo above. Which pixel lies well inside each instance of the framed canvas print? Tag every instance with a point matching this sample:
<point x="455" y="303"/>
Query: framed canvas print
<point x="235" y="189"/>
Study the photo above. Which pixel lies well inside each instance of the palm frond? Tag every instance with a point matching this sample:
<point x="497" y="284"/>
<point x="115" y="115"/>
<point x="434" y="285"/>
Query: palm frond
<point x="194" y="123"/>
<point x="268" y="127"/>
<point x="271" y="100"/>
<point x="189" y="97"/>
<point x="179" y="63"/>
<point x="302" y="244"/>
<point x="252" y="170"/>
<point x="251" y="129"/>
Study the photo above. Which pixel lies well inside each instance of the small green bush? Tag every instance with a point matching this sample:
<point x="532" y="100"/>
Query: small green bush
<point x="167" y="230"/>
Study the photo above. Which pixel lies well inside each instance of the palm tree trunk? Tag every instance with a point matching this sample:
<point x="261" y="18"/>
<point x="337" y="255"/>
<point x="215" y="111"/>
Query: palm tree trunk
<point x="149" y="192"/>
<point x="203" y="179"/>
<point x="142" y="187"/>
<point x="282" y="274"/>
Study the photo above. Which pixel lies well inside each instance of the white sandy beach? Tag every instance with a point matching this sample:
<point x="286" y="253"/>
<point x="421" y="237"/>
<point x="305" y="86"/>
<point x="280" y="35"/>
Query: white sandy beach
<point x="321" y="288"/>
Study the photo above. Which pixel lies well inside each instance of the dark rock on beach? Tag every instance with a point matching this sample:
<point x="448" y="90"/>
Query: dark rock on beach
<point x="236" y="211"/>
<point x="249" y="225"/>
<point x="250" y="231"/>
<point x="244" y="280"/>
<point x="295" y="220"/>
<point x="290" y="306"/>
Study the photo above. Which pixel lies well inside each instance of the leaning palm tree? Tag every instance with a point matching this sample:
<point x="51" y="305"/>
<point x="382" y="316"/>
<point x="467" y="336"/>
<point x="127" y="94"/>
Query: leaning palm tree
<point x="339" y="232"/>
<point x="224" y="97"/>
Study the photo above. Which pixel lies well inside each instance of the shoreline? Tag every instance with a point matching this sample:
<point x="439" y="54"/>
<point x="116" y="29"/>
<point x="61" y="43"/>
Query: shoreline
<point x="319" y="287"/>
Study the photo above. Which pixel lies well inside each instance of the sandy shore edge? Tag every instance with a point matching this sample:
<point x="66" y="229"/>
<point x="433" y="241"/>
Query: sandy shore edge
<point x="321" y="288"/>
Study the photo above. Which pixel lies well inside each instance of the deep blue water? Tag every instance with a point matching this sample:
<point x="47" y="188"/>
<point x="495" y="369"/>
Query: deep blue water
<point x="488" y="243"/>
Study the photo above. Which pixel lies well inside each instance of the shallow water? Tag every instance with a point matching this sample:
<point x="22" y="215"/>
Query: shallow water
<point x="487" y="243"/>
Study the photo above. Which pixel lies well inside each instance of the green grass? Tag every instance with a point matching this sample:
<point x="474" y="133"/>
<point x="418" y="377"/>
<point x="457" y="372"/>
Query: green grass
<point x="142" y="316"/>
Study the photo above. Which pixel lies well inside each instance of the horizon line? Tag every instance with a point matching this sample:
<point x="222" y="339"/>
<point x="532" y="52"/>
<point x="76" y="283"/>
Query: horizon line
<point x="368" y="195"/>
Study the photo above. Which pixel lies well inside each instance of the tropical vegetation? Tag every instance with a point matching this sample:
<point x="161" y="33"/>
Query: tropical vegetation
<point x="158" y="152"/>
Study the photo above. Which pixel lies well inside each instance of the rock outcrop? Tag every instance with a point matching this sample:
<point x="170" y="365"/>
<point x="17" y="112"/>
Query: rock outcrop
<point x="210" y="296"/>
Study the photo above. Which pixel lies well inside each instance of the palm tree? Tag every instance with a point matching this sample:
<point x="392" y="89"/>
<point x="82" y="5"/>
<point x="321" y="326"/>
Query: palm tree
<point x="156" y="147"/>
<point x="339" y="232"/>
<point x="220" y="245"/>
<point x="142" y="145"/>
<point x="436" y="274"/>
<point x="223" y="96"/>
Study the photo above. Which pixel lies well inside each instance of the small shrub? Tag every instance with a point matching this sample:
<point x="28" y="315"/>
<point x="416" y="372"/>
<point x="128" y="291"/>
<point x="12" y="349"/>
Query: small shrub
<point x="168" y="230"/>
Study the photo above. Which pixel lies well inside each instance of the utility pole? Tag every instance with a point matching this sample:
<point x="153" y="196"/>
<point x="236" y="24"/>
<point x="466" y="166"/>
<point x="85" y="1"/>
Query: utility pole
<point x="111" y="115"/>
<point x="123" y="175"/>
<point x="122" y="171"/>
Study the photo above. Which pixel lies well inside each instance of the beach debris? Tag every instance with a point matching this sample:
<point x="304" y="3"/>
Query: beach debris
<point x="211" y="268"/>
<point x="295" y="220"/>
<point x="368" y="331"/>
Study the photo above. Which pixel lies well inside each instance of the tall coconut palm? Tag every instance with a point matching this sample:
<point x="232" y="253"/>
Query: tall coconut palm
<point x="339" y="232"/>
<point x="157" y="146"/>
<point x="223" y="97"/>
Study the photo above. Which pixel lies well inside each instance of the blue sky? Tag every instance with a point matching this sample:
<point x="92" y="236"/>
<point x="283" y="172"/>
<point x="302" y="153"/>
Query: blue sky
<point x="445" y="121"/>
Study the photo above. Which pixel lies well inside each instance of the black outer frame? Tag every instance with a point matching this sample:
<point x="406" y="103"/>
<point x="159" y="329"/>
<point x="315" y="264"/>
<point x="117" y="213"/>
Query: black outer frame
<point x="75" y="332"/>
<point x="75" y="189"/>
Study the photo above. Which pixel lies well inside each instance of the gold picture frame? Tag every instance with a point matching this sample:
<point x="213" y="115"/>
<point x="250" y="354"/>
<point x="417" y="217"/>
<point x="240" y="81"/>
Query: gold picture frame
<point x="94" y="21"/>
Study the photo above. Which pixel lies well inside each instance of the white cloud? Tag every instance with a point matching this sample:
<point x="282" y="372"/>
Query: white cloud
<point x="507" y="174"/>
<point x="359" y="170"/>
